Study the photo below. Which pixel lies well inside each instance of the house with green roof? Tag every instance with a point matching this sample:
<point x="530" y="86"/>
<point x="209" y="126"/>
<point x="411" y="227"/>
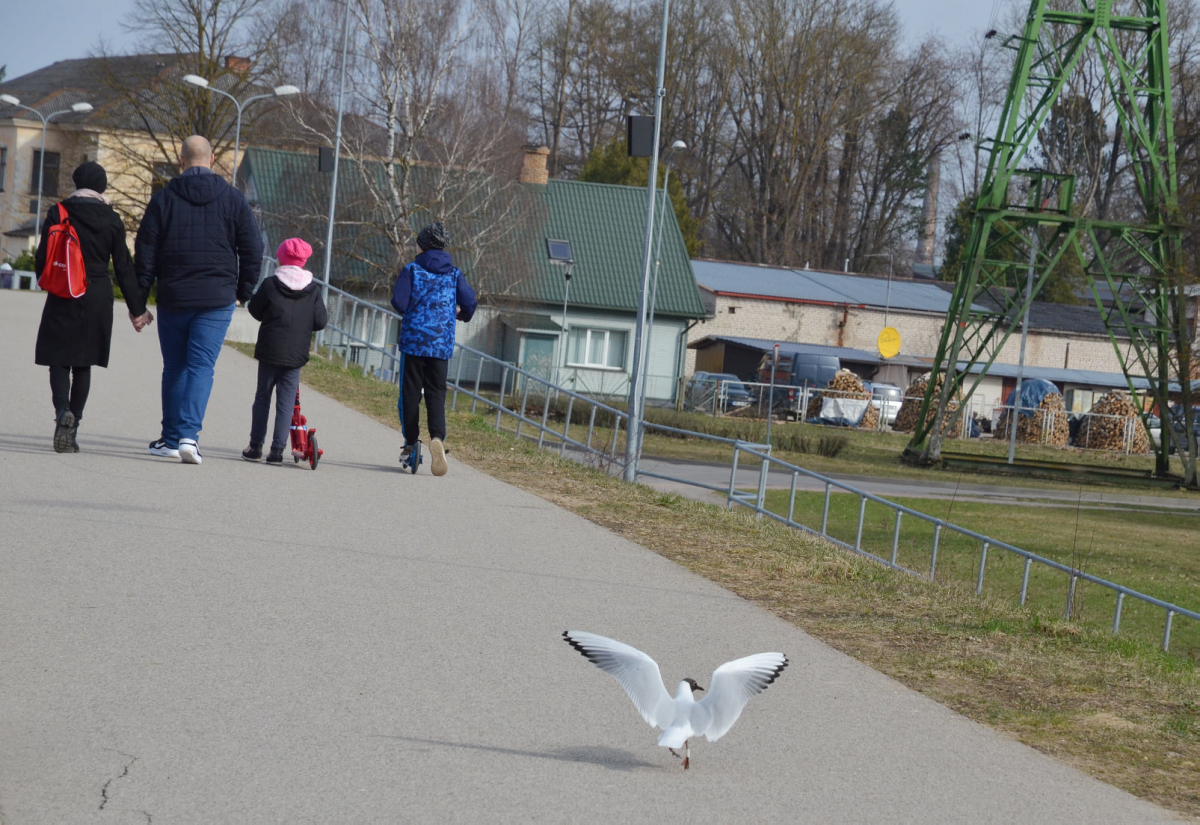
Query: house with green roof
<point x="521" y="318"/>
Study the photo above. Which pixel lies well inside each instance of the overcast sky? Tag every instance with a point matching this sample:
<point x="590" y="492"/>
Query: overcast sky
<point x="37" y="35"/>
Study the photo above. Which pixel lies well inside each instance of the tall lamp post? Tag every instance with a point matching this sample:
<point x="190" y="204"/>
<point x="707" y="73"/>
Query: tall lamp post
<point x="78" y="108"/>
<point x="559" y="253"/>
<point x="633" y="439"/>
<point x="278" y="91"/>
<point x="677" y="146"/>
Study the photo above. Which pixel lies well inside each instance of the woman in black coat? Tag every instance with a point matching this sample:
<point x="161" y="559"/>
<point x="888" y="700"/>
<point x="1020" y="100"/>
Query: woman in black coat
<point x="75" y="333"/>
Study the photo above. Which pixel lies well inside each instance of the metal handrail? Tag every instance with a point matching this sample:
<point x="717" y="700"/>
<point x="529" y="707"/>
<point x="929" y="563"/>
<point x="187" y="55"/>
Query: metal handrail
<point x="986" y="542"/>
<point x="753" y="501"/>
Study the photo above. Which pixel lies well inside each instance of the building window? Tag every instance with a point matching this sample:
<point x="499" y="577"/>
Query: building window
<point x="49" y="174"/>
<point x="163" y="172"/>
<point x="3" y="166"/>
<point x="604" y="348"/>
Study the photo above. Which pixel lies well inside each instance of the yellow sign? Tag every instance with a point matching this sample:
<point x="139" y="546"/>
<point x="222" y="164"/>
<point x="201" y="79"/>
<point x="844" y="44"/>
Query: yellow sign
<point x="889" y="342"/>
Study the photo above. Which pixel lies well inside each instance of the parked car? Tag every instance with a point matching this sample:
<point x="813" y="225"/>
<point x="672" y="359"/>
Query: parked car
<point x="888" y="397"/>
<point x="716" y="392"/>
<point x="793" y="376"/>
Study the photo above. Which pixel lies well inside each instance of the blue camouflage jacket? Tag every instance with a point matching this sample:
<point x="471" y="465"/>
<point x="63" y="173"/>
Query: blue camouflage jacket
<point x="430" y="292"/>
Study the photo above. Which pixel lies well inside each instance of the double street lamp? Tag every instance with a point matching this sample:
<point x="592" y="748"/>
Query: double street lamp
<point x="278" y="91"/>
<point x="78" y="109"/>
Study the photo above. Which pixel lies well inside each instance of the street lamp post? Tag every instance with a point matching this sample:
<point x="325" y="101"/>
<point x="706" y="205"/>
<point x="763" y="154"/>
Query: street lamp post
<point x="560" y="254"/>
<point x="278" y="91"/>
<point x="78" y="108"/>
<point x="634" y="421"/>
<point x="677" y="146"/>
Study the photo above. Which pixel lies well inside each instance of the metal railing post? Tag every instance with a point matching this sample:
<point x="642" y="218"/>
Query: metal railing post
<point x="500" y="402"/>
<point x="733" y="477"/>
<point x="1071" y="596"/>
<point x="1025" y="580"/>
<point x="764" y="467"/>
<point x="524" y="402"/>
<point x="350" y="333"/>
<point x="937" y="535"/>
<point x="896" y="536"/>
<point x="591" y="428"/>
<point x="545" y="417"/>
<point x="982" y="565"/>
<point x="1117" y="614"/>
<point x="862" y="512"/>
<point x="567" y="426"/>
<point x="1167" y="631"/>
<point x="457" y="383"/>
<point x="478" y="377"/>
<point x="825" y="510"/>
<point x="792" y="498"/>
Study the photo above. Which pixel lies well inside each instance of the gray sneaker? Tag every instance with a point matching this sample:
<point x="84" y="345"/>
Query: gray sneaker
<point x="437" y="464"/>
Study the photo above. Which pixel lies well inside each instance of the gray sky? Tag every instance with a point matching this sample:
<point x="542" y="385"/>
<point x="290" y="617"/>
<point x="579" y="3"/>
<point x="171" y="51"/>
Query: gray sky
<point x="37" y="35"/>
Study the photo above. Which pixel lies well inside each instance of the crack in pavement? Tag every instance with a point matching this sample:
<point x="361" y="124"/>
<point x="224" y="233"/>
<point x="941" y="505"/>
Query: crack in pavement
<point x="125" y="772"/>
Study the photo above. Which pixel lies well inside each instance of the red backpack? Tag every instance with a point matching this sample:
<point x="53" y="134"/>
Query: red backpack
<point x="63" y="273"/>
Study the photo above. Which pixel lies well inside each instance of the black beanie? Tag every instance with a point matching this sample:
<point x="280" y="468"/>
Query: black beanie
<point x="90" y="175"/>
<point x="433" y="236"/>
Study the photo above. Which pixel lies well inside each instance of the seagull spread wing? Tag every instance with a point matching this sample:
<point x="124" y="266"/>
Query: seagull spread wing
<point x="733" y="685"/>
<point x="636" y="672"/>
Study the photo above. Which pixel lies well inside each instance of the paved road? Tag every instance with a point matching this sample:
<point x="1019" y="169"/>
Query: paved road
<point x="239" y="643"/>
<point x="717" y="475"/>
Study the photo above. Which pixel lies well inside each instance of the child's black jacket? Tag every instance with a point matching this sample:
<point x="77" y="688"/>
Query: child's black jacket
<point x="289" y="318"/>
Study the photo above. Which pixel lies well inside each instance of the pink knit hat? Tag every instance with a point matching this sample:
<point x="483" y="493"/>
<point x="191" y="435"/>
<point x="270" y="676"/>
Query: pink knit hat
<point x="293" y="252"/>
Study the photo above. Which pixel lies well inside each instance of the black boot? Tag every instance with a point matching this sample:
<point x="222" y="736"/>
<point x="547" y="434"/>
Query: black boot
<point x="64" y="431"/>
<point x="275" y="456"/>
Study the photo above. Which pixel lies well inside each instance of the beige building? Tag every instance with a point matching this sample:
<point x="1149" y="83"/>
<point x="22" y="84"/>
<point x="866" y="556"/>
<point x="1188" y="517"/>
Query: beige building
<point x="123" y="131"/>
<point x="841" y="312"/>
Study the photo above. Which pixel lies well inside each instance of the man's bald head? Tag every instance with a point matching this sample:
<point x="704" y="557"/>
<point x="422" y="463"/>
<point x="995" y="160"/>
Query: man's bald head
<point x="196" y="151"/>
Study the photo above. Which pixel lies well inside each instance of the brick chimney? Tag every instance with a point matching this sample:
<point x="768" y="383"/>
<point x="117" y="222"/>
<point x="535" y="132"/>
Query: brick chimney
<point x="234" y="63"/>
<point x="534" y="170"/>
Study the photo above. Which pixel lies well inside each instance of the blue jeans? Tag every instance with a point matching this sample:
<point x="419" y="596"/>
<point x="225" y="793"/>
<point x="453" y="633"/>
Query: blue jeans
<point x="190" y="340"/>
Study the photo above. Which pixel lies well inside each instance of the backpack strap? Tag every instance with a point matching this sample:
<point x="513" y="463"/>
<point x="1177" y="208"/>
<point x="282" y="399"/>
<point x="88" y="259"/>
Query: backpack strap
<point x="62" y="215"/>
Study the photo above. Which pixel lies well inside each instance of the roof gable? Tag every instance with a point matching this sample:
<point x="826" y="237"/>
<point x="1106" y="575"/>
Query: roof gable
<point x="605" y="224"/>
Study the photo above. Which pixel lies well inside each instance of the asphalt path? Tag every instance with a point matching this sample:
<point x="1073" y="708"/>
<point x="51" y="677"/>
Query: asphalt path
<point x="241" y="643"/>
<point x="689" y="473"/>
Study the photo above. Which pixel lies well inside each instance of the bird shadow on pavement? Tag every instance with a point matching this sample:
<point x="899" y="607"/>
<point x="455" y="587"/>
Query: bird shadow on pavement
<point x="611" y="758"/>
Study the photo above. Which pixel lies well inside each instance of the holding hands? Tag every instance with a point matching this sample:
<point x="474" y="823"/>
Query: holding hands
<point x="140" y="322"/>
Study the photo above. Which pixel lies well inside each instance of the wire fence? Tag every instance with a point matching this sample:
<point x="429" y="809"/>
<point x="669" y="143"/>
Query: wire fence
<point x="559" y="418"/>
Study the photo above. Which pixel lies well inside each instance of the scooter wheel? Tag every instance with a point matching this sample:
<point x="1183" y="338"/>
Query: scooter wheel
<point x="415" y="457"/>
<point x="316" y="454"/>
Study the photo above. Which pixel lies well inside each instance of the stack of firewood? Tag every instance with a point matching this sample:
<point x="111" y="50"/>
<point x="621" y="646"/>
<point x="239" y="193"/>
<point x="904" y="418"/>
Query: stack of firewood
<point x="1110" y="423"/>
<point x="1047" y="423"/>
<point x="846" y="384"/>
<point x="910" y="410"/>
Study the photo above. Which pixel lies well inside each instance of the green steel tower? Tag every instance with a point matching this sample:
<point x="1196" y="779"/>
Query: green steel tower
<point x="1024" y="223"/>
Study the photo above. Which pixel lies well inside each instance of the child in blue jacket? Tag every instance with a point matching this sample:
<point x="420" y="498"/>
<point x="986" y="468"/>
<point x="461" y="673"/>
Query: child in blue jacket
<point x="430" y="293"/>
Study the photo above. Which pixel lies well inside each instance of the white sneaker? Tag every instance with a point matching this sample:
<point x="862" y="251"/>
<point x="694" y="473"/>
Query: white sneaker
<point x="437" y="464"/>
<point x="159" y="447"/>
<point x="189" y="451"/>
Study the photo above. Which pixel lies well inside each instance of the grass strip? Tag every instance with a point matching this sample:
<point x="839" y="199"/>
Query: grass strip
<point x="1114" y="707"/>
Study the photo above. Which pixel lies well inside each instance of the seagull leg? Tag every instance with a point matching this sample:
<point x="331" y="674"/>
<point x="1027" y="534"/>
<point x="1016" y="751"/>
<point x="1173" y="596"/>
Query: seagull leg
<point x="673" y="753"/>
<point x="687" y="754"/>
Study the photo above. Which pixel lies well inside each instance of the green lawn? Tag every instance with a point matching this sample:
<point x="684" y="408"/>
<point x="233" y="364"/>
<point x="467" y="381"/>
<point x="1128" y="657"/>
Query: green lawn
<point x="1152" y="552"/>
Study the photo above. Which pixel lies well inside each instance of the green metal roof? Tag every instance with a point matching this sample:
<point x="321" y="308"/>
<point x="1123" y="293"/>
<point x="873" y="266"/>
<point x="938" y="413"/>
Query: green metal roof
<point x="606" y="226"/>
<point x="604" y="223"/>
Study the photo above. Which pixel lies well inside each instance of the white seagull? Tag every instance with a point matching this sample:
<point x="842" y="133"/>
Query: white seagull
<point x="733" y="684"/>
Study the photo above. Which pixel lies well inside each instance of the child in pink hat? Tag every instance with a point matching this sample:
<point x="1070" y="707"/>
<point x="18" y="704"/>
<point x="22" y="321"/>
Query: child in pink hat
<point x="290" y="309"/>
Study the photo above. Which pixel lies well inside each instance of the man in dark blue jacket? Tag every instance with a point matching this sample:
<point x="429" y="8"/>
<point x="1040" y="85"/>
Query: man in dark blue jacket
<point x="427" y="293"/>
<point x="200" y="241"/>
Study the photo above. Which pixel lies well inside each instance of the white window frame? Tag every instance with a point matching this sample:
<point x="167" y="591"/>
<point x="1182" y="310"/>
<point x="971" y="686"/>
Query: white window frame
<point x="587" y="347"/>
